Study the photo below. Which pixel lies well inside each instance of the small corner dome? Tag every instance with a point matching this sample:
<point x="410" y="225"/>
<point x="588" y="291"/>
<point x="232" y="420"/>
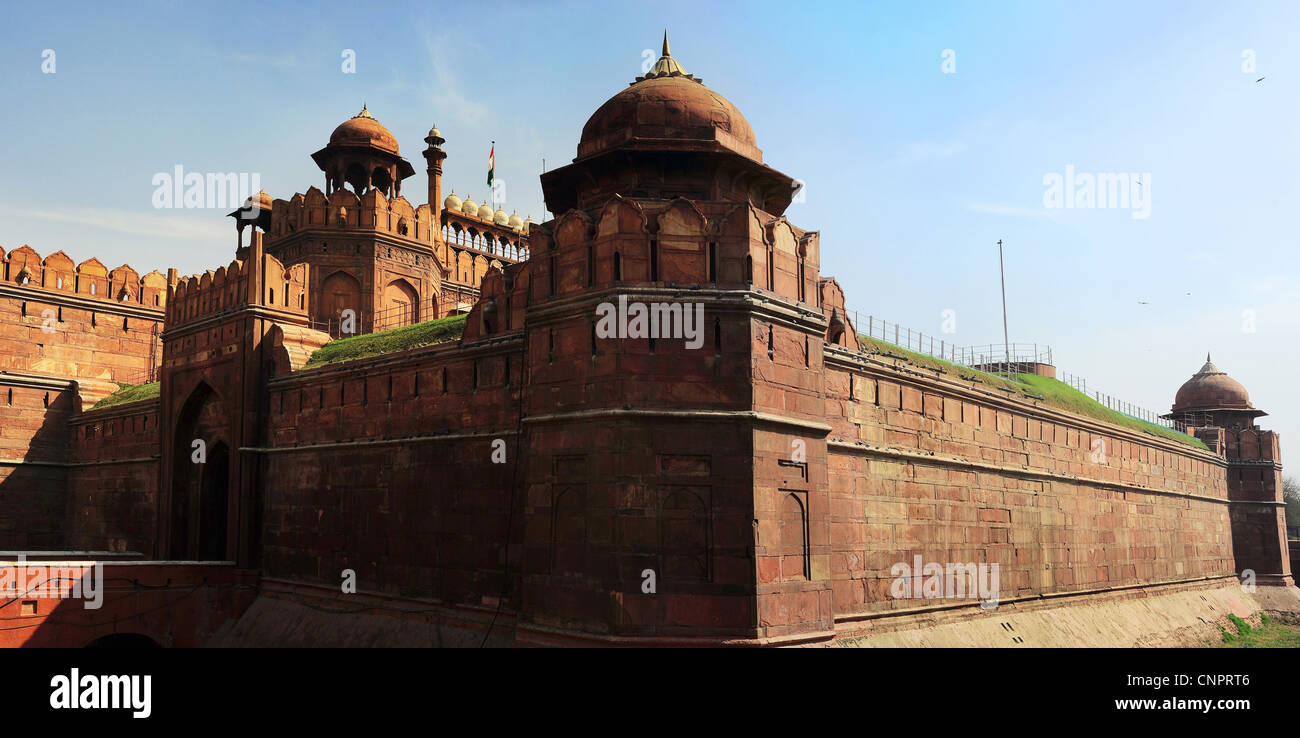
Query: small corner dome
<point x="1211" y="389"/>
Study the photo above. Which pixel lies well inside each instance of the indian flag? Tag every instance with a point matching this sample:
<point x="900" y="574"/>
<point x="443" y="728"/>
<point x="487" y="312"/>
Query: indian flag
<point x="492" y="163"/>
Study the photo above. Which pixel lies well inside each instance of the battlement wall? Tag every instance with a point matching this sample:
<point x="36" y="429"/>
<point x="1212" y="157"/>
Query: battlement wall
<point x="241" y="283"/>
<point x="33" y="461"/>
<point x="385" y="466"/>
<point x="344" y="209"/>
<point x="113" y="478"/>
<point x="90" y="279"/>
<point x="922" y="465"/>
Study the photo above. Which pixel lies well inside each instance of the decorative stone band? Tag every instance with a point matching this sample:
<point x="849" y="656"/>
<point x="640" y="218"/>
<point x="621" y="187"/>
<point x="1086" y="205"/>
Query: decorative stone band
<point x="80" y="302"/>
<point x="1170" y="584"/>
<point x="723" y="416"/>
<point x="382" y="442"/>
<point x="1020" y="471"/>
<point x="78" y="464"/>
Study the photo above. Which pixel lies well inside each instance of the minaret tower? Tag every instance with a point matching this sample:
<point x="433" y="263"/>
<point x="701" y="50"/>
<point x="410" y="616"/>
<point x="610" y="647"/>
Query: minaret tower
<point x="434" y="155"/>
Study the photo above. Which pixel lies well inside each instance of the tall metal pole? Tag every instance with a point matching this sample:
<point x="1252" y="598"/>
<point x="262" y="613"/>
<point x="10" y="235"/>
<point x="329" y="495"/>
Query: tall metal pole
<point x="1006" y="341"/>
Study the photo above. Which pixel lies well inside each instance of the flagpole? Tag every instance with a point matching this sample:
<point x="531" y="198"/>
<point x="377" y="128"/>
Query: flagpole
<point x="494" y="175"/>
<point x="1006" y="340"/>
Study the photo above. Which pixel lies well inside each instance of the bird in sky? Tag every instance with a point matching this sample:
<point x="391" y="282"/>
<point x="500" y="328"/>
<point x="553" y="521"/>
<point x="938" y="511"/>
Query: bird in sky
<point x="1261" y="79"/>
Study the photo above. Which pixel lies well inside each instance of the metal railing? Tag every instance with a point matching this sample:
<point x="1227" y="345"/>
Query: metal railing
<point x="1128" y="408"/>
<point x="993" y="357"/>
<point x="448" y="303"/>
<point x="139" y="376"/>
<point x="1022" y="355"/>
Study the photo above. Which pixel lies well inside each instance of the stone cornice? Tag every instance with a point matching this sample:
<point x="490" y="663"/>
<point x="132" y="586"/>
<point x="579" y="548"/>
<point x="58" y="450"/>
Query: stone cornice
<point x="66" y="299"/>
<point x="757" y="302"/>
<point x="721" y="416"/>
<point x="275" y="315"/>
<point x="864" y="449"/>
<point x="35" y="381"/>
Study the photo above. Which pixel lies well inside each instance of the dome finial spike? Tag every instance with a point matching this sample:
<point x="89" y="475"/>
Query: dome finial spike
<point x="1207" y="357"/>
<point x="666" y="43"/>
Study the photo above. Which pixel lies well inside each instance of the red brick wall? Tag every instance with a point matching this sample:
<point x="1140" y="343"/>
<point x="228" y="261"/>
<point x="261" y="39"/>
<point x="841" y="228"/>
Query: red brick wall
<point x="95" y="335"/>
<point x="60" y="323"/>
<point x="356" y="475"/>
<point x="930" y="467"/>
<point x="33" y="464"/>
<point x="113" y="480"/>
<point x="1259" y="514"/>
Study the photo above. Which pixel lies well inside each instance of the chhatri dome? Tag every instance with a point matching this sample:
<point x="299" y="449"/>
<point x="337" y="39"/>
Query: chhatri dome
<point x="363" y="129"/>
<point x="1211" y="389"/>
<point x="668" y="107"/>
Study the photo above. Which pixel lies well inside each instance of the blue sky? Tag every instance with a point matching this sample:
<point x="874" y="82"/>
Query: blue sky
<point x="912" y="174"/>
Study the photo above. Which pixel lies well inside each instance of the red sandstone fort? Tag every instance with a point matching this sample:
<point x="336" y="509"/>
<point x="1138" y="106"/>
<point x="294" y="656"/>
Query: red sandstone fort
<point x="519" y="479"/>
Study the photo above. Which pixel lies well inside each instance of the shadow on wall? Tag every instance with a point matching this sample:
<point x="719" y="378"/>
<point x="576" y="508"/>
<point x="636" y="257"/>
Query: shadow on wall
<point x="138" y="604"/>
<point x="34" y="511"/>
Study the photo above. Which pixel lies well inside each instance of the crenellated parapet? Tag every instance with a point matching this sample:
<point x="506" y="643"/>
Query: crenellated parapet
<point x="1252" y="444"/>
<point x="261" y="280"/>
<point x="344" y="209"/>
<point x="58" y="275"/>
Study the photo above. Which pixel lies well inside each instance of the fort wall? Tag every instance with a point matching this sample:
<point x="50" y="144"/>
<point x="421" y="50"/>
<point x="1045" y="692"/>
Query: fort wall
<point x="385" y="466"/>
<point x="79" y="322"/>
<point x="68" y="332"/>
<point x="113" y="478"/>
<point x="930" y="466"/>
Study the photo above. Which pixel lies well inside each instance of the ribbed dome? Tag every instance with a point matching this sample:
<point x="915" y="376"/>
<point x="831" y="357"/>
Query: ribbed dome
<point x="515" y="221"/>
<point x="469" y="207"/>
<point x="363" y="130"/>
<point x="485" y="212"/>
<point x="500" y="217"/>
<point x="668" y="104"/>
<point x="452" y="202"/>
<point x="1211" y="389"/>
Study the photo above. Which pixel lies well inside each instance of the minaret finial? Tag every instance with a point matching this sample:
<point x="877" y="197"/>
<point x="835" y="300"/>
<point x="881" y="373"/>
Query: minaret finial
<point x="1207" y="357"/>
<point x="666" y="43"/>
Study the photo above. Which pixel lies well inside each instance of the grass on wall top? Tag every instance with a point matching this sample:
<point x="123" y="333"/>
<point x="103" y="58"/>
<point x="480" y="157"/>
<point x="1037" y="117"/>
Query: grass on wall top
<point x="1052" y="392"/>
<point x="427" y="333"/>
<point x="130" y="393"/>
